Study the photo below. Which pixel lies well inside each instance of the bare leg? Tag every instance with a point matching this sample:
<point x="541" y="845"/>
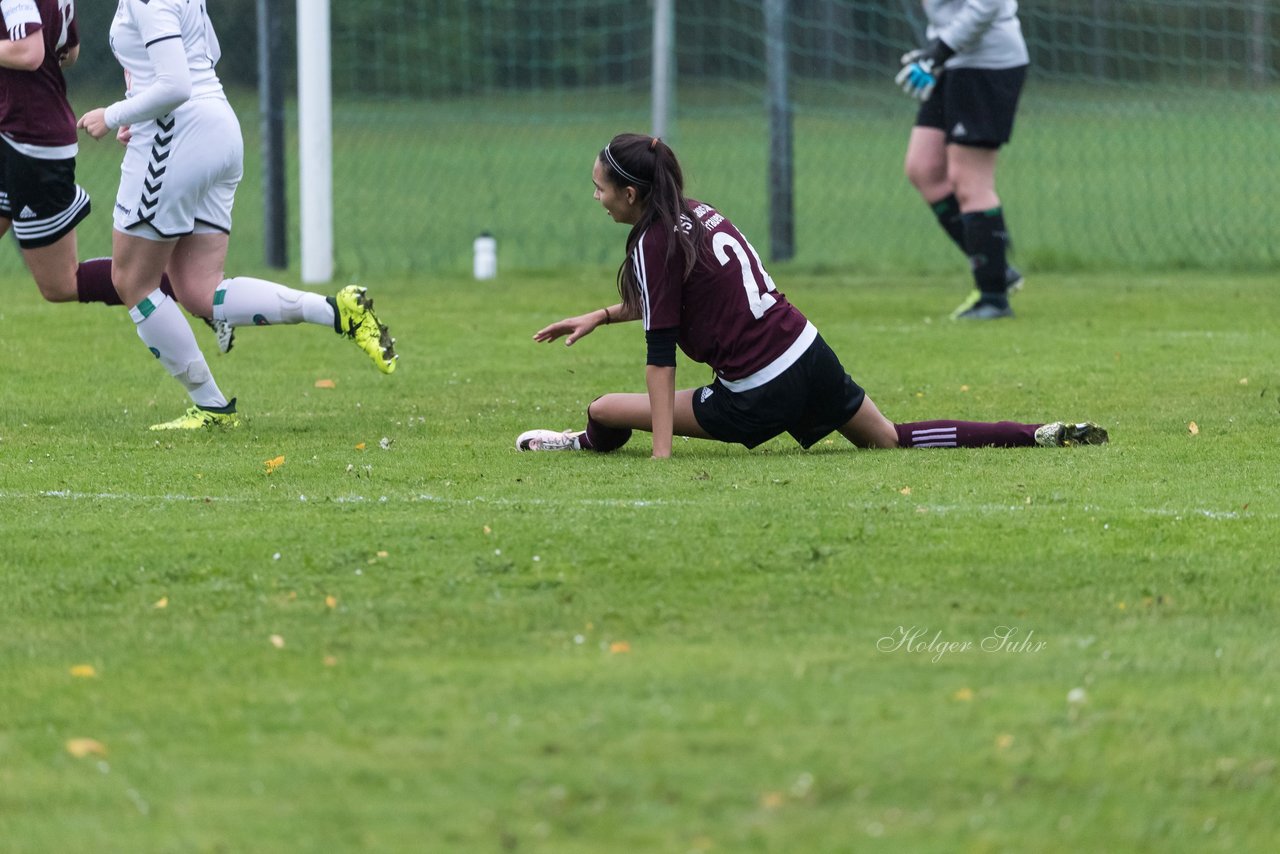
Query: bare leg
<point x="54" y="268"/>
<point x="926" y="164"/>
<point x="195" y="268"/>
<point x="868" y="428"/>
<point x="631" y="412"/>
<point x="973" y="174"/>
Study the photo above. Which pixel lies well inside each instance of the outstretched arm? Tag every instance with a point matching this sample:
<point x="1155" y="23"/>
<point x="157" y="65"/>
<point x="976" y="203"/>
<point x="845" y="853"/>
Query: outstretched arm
<point x="583" y="324"/>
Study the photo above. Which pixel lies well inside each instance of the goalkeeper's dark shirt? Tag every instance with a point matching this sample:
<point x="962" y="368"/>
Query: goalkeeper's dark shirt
<point x="727" y="311"/>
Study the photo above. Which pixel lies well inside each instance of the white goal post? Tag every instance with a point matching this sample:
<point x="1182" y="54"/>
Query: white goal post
<point x="315" y="141"/>
<point x="315" y="124"/>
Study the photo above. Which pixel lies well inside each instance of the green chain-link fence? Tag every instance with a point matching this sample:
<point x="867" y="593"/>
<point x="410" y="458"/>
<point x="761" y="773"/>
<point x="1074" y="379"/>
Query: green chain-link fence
<point x="1146" y="136"/>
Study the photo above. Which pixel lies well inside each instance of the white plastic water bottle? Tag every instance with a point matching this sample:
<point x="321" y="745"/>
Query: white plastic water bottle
<point x="485" y="262"/>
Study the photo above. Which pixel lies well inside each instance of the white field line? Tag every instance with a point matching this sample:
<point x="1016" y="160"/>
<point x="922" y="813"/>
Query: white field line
<point x="429" y="498"/>
<point x="175" y="498"/>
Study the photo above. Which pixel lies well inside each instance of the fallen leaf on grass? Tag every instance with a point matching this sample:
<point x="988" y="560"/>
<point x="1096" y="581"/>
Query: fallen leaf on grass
<point x="906" y="490"/>
<point x="772" y="800"/>
<point x="83" y="671"/>
<point x="382" y="554"/>
<point x="277" y="641"/>
<point x="964" y="695"/>
<point x="331" y="601"/>
<point x="326" y="384"/>
<point x="162" y="602"/>
<point x="618" y="647"/>
<point x="273" y="464"/>
<point x="82" y="747"/>
<point x="1193" y="428"/>
<point x="361" y="446"/>
<point x="330" y="661"/>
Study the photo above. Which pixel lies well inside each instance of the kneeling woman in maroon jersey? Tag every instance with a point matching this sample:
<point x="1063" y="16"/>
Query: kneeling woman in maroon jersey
<point x="695" y="281"/>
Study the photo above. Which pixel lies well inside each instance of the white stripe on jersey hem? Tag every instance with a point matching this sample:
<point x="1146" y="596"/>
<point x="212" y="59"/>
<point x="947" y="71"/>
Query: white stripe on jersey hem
<point x="43" y="152"/>
<point x="642" y="278"/>
<point x="775" y="368"/>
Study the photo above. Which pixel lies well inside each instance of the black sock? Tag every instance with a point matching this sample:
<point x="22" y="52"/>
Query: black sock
<point x="949" y="217"/>
<point x="986" y="241"/>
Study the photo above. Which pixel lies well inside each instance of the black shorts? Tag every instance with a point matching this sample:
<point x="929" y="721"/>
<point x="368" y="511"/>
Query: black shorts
<point x="810" y="400"/>
<point x="974" y="106"/>
<point x="40" y="196"/>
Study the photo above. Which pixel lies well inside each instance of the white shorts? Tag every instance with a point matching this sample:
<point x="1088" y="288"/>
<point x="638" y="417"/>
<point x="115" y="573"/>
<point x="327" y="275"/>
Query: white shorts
<point x="180" y="172"/>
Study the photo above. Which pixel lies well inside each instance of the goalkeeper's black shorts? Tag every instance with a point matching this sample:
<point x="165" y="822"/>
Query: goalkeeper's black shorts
<point x="974" y="106"/>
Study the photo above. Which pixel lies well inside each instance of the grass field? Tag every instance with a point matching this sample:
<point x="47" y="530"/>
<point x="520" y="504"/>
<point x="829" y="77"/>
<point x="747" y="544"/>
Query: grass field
<point x="407" y="637"/>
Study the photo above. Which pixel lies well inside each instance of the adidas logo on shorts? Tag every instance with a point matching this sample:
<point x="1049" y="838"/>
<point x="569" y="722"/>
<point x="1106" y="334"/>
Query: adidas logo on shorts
<point x="959" y="130"/>
<point x="27" y="213"/>
<point x="706" y="392"/>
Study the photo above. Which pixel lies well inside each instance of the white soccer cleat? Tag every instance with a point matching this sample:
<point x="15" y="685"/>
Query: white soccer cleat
<point x="549" y="440"/>
<point x="224" y="332"/>
<point x="1064" y="434"/>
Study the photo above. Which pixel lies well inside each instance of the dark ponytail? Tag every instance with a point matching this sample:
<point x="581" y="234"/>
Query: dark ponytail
<point x="648" y="164"/>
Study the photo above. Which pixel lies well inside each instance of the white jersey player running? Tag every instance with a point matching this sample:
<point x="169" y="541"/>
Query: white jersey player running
<point x="183" y="160"/>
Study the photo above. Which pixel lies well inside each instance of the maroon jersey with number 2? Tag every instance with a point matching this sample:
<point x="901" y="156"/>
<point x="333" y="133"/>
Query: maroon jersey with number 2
<point x="33" y="104"/>
<point x="729" y="313"/>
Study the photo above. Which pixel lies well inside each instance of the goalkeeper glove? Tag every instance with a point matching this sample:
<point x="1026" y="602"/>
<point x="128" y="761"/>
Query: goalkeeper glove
<point x="922" y="68"/>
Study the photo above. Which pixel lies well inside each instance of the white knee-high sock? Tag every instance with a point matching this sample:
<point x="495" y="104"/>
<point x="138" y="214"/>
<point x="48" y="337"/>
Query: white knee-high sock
<point x="164" y="330"/>
<point x="244" y="301"/>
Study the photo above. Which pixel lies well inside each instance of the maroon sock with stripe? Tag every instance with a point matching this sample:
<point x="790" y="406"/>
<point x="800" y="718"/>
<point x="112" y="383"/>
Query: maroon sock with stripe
<point x="966" y="434"/>
<point x="93" y="283"/>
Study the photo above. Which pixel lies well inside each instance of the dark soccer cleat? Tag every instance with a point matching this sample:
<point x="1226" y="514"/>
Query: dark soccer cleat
<point x="982" y="311"/>
<point x="1013" y="282"/>
<point x="1064" y="434"/>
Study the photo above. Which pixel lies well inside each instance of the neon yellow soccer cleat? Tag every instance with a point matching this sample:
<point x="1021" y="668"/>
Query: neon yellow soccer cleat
<point x="353" y="317"/>
<point x="198" y="418"/>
